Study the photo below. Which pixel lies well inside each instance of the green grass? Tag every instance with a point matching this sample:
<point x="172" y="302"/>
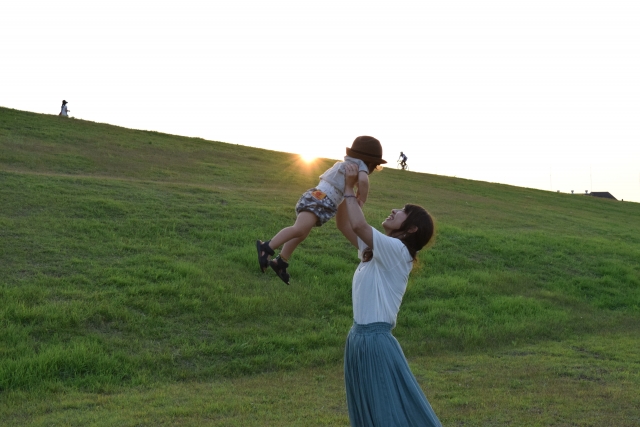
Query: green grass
<point x="131" y="293"/>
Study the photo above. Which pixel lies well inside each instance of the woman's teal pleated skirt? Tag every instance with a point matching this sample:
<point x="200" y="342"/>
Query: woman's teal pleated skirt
<point x="381" y="390"/>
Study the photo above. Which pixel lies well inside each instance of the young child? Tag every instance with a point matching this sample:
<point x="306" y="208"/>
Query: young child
<point x="318" y="205"/>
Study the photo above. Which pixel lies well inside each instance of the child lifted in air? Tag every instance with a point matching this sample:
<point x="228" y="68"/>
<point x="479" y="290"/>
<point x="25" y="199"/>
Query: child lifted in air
<point x="318" y="205"/>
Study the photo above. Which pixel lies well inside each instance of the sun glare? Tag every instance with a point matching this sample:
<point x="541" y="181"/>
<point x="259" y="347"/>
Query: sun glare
<point x="307" y="158"/>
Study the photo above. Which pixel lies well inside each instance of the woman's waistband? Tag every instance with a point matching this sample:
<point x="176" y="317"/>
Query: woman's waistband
<point x="371" y="328"/>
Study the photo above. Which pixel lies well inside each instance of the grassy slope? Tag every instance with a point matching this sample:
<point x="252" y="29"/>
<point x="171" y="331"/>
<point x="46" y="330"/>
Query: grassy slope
<point x="128" y="275"/>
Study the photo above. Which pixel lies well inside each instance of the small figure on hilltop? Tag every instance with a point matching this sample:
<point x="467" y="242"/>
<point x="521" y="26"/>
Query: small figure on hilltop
<point x="63" y="109"/>
<point x="319" y="204"/>
<point x="403" y="160"/>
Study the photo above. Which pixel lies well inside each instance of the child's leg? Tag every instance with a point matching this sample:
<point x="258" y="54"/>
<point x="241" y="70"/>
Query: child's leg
<point x="298" y="232"/>
<point x="289" y="247"/>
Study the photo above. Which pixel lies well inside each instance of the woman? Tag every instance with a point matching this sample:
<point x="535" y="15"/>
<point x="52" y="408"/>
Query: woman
<point x="381" y="390"/>
<point x="63" y="109"/>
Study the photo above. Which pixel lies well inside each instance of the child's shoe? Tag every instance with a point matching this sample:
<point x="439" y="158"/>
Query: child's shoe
<point x="264" y="251"/>
<point x="280" y="267"/>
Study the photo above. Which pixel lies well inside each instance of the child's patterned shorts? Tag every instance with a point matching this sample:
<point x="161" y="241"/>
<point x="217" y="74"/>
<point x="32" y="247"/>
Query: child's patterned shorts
<point x="317" y="202"/>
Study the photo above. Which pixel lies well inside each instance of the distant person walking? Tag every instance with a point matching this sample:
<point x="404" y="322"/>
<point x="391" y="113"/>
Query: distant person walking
<point x="64" y="110"/>
<point x="319" y="204"/>
<point x="381" y="389"/>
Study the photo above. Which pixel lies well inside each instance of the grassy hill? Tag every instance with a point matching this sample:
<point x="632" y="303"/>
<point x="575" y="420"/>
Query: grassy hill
<point x="130" y="292"/>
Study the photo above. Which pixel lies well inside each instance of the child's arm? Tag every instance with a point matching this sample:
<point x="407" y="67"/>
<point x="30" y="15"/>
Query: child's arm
<point x="363" y="187"/>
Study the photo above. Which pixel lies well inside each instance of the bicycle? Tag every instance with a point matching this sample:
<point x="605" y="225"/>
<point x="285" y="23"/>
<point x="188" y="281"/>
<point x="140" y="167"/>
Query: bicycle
<point x="404" y="167"/>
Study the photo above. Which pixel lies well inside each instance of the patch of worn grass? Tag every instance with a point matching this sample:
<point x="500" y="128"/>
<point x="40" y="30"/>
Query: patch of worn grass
<point x="585" y="381"/>
<point x="591" y="380"/>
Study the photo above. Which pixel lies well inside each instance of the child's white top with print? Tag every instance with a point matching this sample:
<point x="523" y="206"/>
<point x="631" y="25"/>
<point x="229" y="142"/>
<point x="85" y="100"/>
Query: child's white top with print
<point x="332" y="181"/>
<point x="379" y="285"/>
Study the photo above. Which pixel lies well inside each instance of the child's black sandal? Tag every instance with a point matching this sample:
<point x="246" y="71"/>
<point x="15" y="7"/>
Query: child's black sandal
<point x="280" y="267"/>
<point x="264" y="251"/>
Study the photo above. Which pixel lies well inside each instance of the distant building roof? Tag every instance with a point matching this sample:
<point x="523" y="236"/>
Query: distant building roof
<point x="603" y="194"/>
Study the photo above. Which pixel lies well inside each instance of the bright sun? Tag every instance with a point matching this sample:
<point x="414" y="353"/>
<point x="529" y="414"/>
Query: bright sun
<point x="307" y="157"/>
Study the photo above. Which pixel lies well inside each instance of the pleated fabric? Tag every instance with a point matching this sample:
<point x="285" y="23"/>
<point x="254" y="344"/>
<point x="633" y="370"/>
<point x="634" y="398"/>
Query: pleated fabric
<point x="381" y="390"/>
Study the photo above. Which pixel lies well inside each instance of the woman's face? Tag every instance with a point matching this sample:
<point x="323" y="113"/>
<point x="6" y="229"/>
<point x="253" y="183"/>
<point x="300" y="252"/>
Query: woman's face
<point x="394" y="221"/>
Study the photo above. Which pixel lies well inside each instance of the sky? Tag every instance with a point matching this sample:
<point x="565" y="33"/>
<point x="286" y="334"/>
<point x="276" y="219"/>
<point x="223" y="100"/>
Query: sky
<point x="534" y="93"/>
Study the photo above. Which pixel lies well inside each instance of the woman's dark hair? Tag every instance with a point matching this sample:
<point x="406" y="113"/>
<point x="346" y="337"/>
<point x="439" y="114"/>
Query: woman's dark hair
<point x="417" y="217"/>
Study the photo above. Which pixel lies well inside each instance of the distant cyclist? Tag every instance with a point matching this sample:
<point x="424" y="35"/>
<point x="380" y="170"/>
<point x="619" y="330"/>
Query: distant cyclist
<point x="403" y="160"/>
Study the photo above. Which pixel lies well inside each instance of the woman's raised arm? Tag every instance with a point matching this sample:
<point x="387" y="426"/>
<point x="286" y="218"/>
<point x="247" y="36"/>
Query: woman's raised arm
<point x="356" y="218"/>
<point x="342" y="221"/>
